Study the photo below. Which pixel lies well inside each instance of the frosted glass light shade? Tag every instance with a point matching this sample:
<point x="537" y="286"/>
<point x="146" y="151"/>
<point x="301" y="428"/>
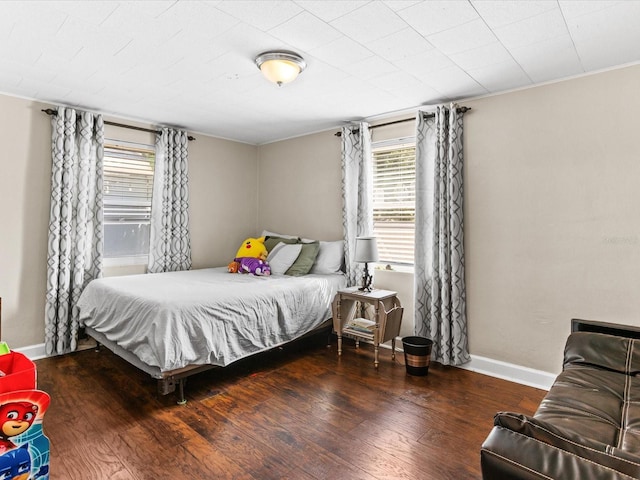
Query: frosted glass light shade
<point x="280" y="67"/>
<point x="366" y="250"/>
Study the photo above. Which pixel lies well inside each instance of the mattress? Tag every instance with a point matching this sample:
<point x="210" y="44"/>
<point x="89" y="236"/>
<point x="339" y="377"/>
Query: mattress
<point x="205" y="317"/>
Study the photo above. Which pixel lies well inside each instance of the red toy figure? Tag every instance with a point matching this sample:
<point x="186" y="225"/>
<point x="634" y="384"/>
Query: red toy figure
<point x="15" y="418"/>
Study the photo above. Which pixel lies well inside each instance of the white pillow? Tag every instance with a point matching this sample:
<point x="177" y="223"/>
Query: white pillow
<point x="267" y="233"/>
<point x="329" y="259"/>
<point x="282" y="256"/>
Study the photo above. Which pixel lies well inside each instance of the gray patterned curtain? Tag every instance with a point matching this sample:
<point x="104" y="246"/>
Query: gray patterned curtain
<point x="74" y="256"/>
<point x="170" y="248"/>
<point x="440" y="298"/>
<point x="357" y="213"/>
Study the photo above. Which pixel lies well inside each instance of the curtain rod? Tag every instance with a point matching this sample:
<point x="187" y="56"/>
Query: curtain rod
<point x="426" y="114"/>
<point x="50" y="111"/>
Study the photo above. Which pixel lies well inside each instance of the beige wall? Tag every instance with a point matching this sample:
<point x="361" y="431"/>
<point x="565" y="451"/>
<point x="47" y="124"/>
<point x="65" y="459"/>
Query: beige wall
<point x="223" y="180"/>
<point x="299" y="185"/>
<point x="25" y="180"/>
<point x="223" y="177"/>
<point x="552" y="222"/>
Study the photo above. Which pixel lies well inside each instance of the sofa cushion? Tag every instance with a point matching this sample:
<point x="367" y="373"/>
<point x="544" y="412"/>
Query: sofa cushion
<point x="586" y="401"/>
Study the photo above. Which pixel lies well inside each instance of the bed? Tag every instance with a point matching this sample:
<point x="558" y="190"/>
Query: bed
<point x="172" y="325"/>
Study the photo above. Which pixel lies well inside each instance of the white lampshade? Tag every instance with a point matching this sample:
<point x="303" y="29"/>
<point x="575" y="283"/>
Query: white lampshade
<point x="280" y="67"/>
<point x="366" y="250"/>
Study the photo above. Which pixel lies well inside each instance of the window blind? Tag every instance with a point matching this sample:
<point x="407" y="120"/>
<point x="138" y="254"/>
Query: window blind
<point x="394" y="196"/>
<point x="128" y="183"/>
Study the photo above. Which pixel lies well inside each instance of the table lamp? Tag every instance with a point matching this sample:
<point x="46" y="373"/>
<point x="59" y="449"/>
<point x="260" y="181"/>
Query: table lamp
<point x="366" y="251"/>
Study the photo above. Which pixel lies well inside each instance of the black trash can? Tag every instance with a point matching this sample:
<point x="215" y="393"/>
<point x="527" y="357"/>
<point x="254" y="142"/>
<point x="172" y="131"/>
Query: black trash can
<point x="417" y="355"/>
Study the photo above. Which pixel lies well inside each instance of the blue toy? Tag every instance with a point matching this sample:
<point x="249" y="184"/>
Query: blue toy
<point x="16" y="463"/>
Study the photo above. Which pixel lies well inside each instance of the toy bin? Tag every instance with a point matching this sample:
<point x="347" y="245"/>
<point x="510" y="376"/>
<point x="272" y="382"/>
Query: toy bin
<point x="24" y="453"/>
<point x="18" y="372"/>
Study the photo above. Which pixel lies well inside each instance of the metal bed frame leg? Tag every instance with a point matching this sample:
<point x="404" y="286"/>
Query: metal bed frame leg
<point x="181" y="399"/>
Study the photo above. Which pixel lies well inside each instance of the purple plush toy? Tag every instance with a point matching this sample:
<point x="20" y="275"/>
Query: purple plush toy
<point x="253" y="265"/>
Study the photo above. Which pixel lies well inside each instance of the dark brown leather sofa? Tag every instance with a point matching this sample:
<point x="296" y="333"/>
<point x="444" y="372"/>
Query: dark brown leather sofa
<point x="588" y="425"/>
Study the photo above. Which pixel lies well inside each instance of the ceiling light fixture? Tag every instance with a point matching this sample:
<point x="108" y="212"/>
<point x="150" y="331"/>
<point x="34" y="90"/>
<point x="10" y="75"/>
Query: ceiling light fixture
<point x="280" y="66"/>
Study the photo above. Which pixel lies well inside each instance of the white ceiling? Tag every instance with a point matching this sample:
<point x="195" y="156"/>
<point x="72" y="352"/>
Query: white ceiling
<point x="190" y="63"/>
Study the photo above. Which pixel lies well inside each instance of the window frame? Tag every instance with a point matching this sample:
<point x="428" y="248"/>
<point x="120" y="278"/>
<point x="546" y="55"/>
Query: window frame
<point x="125" y="260"/>
<point x="397" y="143"/>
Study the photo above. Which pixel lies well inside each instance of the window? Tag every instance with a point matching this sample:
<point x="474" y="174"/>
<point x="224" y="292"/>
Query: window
<point x="394" y="199"/>
<point x="128" y="185"/>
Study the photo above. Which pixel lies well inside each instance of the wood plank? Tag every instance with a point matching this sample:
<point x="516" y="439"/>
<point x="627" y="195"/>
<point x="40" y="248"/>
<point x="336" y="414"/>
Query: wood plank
<point x="89" y="460"/>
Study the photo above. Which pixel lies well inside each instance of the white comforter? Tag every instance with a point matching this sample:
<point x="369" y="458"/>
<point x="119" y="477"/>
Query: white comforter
<point x="208" y="316"/>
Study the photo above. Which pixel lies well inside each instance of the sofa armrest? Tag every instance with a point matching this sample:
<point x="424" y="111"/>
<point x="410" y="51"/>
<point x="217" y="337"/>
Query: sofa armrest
<point x="508" y="455"/>
<point x="525" y="448"/>
<point x="611" y="352"/>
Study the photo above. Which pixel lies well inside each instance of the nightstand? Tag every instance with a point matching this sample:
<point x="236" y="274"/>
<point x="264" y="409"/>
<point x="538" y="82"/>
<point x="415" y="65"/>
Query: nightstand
<point x="348" y="321"/>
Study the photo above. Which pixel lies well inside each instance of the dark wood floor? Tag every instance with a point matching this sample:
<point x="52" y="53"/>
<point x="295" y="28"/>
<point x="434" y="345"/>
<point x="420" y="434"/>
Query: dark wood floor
<point x="297" y="413"/>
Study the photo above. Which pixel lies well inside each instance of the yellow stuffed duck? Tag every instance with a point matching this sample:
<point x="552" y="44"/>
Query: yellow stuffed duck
<point x="251" y="258"/>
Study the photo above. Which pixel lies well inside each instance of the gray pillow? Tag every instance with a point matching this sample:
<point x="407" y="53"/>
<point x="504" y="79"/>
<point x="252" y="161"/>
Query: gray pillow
<point x="305" y="260"/>
<point x="271" y="242"/>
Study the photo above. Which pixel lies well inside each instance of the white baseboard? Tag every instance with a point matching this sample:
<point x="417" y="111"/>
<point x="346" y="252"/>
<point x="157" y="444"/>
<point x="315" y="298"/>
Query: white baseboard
<point x="486" y="366"/>
<point x="506" y="371"/>
<point x="33" y="352"/>
<point x="510" y="371"/>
